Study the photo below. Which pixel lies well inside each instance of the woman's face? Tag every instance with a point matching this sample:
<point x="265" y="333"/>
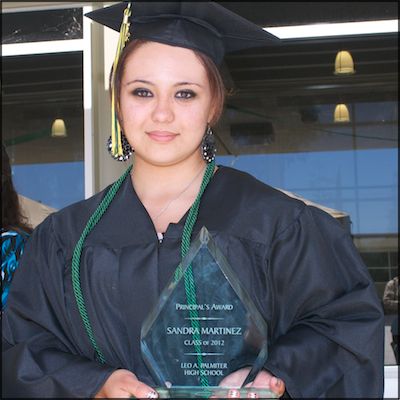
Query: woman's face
<point x="165" y="103"/>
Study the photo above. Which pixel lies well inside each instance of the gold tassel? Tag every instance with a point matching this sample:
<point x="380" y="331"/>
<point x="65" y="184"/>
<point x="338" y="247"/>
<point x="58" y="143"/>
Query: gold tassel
<point x="116" y="142"/>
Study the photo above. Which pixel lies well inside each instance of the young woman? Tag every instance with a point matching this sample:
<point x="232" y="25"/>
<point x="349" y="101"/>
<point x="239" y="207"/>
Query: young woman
<point x="14" y="230"/>
<point x="96" y="269"/>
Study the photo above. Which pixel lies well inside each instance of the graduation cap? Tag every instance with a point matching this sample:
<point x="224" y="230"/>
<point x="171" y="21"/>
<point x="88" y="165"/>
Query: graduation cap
<point x="207" y="27"/>
<point x="204" y="26"/>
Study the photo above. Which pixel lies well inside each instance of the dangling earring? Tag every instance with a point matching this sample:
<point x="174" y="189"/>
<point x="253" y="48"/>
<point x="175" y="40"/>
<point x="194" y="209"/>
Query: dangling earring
<point x="117" y="145"/>
<point x="126" y="149"/>
<point x="208" y="148"/>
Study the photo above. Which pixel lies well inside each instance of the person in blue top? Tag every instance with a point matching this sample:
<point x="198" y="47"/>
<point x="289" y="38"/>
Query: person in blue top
<point x="14" y="231"/>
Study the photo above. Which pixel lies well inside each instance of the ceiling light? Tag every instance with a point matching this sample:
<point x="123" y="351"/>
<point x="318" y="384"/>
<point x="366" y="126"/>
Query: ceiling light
<point x="58" y="129"/>
<point x="334" y="29"/>
<point x="344" y="64"/>
<point x="341" y="113"/>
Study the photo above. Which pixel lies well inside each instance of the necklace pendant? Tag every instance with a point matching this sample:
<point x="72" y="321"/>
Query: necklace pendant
<point x="160" y="237"/>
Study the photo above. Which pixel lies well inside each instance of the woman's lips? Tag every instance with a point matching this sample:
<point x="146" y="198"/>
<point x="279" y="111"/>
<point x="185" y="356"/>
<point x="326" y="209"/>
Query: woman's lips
<point x="162" y="136"/>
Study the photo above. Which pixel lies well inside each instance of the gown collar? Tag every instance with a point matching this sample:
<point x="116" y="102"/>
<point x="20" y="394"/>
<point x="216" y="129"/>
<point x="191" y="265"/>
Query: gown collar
<point x="127" y="221"/>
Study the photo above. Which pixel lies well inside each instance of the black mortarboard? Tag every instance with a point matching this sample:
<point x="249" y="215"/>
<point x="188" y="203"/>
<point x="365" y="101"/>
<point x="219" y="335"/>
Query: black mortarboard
<point x="204" y="26"/>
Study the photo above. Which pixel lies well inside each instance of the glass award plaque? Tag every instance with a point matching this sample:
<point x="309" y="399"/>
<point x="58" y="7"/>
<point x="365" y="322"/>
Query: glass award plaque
<point x="204" y="327"/>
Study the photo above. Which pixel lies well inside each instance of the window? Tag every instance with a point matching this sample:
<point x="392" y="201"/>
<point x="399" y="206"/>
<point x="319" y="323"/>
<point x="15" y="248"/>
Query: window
<point x="37" y="89"/>
<point x="44" y="53"/>
<point x="44" y="25"/>
<point x="279" y="126"/>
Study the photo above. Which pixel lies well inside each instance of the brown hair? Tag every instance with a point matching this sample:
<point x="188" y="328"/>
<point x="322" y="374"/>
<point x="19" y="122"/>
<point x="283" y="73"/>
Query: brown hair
<point x="217" y="86"/>
<point x="11" y="215"/>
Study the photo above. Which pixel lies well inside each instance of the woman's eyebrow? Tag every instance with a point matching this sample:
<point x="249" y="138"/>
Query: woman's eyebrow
<point x="187" y="83"/>
<point x="151" y="83"/>
<point x="139" y="81"/>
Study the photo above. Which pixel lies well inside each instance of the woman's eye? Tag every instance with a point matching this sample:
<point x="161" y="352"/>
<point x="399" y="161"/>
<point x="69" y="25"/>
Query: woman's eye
<point x="185" y="94"/>
<point x="142" y="93"/>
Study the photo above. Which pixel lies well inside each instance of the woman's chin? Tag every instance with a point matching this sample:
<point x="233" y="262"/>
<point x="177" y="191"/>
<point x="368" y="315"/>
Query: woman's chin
<point x="167" y="160"/>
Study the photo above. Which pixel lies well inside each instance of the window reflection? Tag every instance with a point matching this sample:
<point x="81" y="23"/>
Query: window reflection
<point x="36" y="26"/>
<point x="38" y="89"/>
<point x="292" y="142"/>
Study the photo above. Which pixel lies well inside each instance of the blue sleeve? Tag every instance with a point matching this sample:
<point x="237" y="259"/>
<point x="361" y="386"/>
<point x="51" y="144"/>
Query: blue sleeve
<point x="12" y="247"/>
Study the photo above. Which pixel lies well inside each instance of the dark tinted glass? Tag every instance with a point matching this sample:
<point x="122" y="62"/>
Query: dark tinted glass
<point x="37" y="90"/>
<point x="375" y="260"/>
<point x="394" y="259"/>
<point x="36" y="26"/>
<point x="379" y="274"/>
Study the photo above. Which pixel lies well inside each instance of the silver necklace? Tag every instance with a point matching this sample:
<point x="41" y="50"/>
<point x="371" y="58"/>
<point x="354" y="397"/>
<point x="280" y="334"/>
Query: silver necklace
<point x="165" y="208"/>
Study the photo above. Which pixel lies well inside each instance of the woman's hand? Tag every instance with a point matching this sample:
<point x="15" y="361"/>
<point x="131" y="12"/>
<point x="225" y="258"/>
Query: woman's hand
<point x="124" y="384"/>
<point x="263" y="380"/>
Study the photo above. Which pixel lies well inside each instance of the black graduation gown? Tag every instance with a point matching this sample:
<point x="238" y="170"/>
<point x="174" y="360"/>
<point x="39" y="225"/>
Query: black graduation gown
<point x="297" y="263"/>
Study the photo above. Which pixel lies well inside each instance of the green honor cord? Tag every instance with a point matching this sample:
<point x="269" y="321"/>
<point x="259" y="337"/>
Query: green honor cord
<point x="190" y="286"/>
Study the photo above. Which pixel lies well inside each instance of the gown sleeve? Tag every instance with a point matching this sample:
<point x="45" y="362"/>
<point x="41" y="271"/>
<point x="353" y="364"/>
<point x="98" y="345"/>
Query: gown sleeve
<point x="39" y="358"/>
<point x="328" y="327"/>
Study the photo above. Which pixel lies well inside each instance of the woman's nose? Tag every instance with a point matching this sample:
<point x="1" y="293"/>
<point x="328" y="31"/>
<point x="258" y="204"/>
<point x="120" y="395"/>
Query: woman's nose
<point x="163" y="110"/>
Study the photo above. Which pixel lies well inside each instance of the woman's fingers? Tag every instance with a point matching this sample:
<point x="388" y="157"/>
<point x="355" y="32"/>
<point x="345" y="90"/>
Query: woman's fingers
<point x="235" y="379"/>
<point x="277" y="386"/>
<point x="124" y="384"/>
<point x="135" y="388"/>
<point x="140" y="390"/>
<point x="265" y="379"/>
